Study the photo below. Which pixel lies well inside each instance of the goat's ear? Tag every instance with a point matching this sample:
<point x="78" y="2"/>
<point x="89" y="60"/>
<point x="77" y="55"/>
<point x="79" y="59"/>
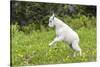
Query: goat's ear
<point x="53" y="15"/>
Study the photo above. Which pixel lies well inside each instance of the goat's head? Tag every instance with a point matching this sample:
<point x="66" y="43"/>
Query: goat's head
<point x="51" y="21"/>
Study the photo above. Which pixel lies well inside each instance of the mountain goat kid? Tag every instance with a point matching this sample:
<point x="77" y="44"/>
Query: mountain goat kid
<point x="65" y="33"/>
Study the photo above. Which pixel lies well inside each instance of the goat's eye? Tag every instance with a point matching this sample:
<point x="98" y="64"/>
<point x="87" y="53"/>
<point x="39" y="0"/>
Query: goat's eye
<point x="50" y="21"/>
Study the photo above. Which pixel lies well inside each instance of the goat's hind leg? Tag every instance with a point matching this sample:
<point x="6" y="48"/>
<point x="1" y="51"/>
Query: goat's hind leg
<point x="76" y="47"/>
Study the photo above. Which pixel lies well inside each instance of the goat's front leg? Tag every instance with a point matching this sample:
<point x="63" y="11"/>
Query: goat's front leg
<point x="57" y="39"/>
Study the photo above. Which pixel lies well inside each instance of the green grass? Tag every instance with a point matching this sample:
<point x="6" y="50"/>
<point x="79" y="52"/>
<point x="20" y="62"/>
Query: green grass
<point x="33" y="49"/>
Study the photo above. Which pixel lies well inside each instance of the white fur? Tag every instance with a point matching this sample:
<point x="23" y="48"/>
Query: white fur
<point x="65" y="33"/>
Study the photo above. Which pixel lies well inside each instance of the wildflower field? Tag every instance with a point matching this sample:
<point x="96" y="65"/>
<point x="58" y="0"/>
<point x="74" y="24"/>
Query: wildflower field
<point x="33" y="49"/>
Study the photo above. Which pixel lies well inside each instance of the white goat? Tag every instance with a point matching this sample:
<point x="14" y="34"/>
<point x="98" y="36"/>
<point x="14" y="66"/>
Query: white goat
<point x="65" y="33"/>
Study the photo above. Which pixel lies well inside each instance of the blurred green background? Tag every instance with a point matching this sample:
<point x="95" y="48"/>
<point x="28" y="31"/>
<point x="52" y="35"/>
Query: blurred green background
<point x="34" y="15"/>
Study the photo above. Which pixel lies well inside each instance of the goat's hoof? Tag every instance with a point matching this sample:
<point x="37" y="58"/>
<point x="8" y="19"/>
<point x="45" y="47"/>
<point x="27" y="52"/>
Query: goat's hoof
<point x="49" y="46"/>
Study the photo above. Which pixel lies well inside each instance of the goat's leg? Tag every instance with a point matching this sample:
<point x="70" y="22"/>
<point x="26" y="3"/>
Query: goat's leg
<point x="76" y="47"/>
<point x="57" y="39"/>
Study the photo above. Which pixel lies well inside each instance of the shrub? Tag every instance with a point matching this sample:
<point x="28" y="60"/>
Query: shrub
<point x="80" y="21"/>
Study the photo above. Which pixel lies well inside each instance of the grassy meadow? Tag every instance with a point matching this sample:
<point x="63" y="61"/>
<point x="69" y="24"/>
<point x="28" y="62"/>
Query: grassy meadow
<point x="33" y="49"/>
<point x="30" y="34"/>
